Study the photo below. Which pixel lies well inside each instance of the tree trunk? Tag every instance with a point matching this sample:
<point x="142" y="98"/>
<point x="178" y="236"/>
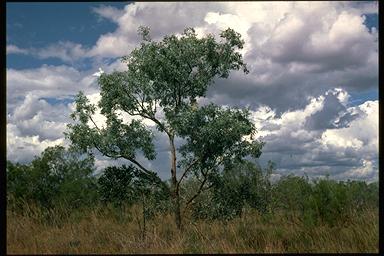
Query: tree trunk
<point x="175" y="190"/>
<point x="177" y="212"/>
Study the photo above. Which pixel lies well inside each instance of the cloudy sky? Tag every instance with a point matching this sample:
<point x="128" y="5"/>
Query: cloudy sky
<point x="312" y="86"/>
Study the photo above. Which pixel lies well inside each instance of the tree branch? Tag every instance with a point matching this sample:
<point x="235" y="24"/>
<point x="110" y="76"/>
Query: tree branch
<point x="143" y="113"/>
<point x="122" y="156"/>
<point x="139" y="165"/>
<point x="185" y="172"/>
<point x="195" y="195"/>
<point x="201" y="188"/>
<point x="119" y="155"/>
<point x="90" y="117"/>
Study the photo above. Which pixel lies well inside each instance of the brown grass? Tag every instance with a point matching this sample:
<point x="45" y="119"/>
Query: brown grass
<point x="104" y="231"/>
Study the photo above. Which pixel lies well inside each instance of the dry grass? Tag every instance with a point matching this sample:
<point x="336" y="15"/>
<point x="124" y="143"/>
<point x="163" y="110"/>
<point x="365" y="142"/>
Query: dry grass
<point x="103" y="231"/>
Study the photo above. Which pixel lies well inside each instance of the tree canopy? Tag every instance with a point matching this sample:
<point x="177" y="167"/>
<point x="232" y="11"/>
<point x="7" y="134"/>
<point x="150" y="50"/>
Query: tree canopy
<point x="162" y="83"/>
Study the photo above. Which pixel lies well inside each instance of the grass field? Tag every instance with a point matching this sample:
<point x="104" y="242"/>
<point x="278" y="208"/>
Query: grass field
<point x="102" y="230"/>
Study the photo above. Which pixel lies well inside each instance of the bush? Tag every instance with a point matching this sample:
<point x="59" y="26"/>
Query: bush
<point x="292" y="194"/>
<point x="126" y="185"/>
<point x="116" y="185"/>
<point x="239" y="186"/>
<point x="330" y="201"/>
<point x="323" y="200"/>
<point x="57" y="177"/>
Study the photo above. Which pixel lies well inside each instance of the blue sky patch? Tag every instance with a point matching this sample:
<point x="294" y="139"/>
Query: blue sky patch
<point x="38" y="25"/>
<point x="56" y="101"/>
<point x="371" y="20"/>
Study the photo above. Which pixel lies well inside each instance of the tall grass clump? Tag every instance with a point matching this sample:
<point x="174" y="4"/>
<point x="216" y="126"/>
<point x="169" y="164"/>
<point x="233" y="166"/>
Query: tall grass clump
<point x="103" y="230"/>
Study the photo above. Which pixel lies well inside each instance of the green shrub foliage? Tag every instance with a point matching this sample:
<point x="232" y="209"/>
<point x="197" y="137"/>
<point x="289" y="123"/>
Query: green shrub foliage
<point x="323" y="200"/>
<point x="238" y="186"/>
<point x="61" y="178"/>
<point x="57" y="177"/>
<point x="247" y="186"/>
<point x="127" y="185"/>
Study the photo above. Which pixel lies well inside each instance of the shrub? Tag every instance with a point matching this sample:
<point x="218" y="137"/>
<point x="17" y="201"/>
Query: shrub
<point x="57" y="177"/>
<point x="238" y="186"/>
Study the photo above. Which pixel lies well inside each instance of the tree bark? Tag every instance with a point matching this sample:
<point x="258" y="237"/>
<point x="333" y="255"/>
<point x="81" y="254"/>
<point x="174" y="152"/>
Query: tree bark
<point x="175" y="188"/>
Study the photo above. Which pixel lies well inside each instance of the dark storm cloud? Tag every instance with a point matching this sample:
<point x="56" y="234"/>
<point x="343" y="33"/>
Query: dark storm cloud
<point x="333" y="115"/>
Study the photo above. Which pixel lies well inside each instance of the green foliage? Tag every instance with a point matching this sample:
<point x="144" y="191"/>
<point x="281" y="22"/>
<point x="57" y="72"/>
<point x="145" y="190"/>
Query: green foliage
<point x="323" y="200"/>
<point x="363" y="195"/>
<point x="329" y="200"/>
<point x="126" y="185"/>
<point x="61" y="179"/>
<point x="242" y="185"/>
<point x="245" y="185"/>
<point x="154" y="191"/>
<point x="116" y="185"/>
<point x="17" y="180"/>
<point x="57" y="177"/>
<point x="215" y="135"/>
<point x="176" y="69"/>
<point x="115" y="140"/>
<point x="291" y="193"/>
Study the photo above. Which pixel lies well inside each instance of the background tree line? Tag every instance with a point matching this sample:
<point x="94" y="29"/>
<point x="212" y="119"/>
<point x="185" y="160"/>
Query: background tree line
<point x="61" y="178"/>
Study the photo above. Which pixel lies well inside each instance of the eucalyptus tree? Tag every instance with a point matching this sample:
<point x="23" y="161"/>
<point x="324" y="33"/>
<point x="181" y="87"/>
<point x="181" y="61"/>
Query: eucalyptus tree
<point x="162" y="83"/>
